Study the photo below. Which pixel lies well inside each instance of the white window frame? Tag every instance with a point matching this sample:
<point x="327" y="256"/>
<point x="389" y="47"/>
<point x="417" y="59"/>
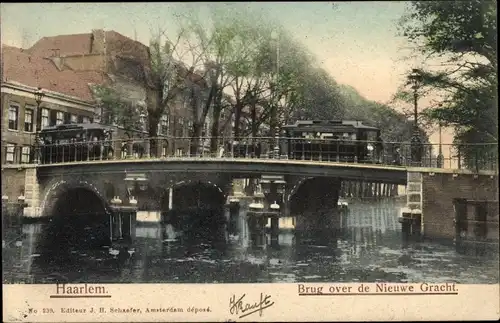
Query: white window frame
<point x="59" y="117"/>
<point x="164" y="125"/>
<point x="13" y="106"/>
<point x="45" y="120"/>
<point x="85" y="119"/>
<point x="25" y="154"/>
<point x="73" y="118"/>
<point x="10" y="153"/>
<point x="32" y="110"/>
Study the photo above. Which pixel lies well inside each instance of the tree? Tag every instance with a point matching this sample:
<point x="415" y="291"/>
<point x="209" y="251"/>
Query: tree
<point x="461" y="37"/>
<point x="166" y="76"/>
<point x="116" y="111"/>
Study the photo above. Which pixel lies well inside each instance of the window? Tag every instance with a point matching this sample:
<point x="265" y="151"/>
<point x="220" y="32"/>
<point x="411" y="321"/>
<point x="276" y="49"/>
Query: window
<point x="73" y="118"/>
<point x="164" y="125"/>
<point x="28" y="120"/>
<point x="25" y="154"/>
<point x="59" y="117"/>
<point x="86" y="120"/>
<point x="45" y="118"/>
<point x="13" y="117"/>
<point x="181" y="127"/>
<point x="9" y="155"/>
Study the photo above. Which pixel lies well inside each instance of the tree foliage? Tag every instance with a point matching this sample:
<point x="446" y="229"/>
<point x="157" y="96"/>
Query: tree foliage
<point x="462" y="37"/>
<point x="116" y="111"/>
<point x="255" y="74"/>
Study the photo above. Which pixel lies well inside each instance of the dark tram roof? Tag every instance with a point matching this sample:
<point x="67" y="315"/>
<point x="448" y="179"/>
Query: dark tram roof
<point x="328" y="125"/>
<point x="76" y="126"/>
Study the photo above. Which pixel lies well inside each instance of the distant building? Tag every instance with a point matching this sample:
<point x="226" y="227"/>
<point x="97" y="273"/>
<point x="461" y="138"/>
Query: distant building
<point x="125" y="64"/>
<point x="69" y="67"/>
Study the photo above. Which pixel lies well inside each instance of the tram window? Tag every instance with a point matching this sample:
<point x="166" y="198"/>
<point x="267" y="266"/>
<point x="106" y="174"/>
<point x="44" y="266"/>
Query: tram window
<point x="371" y="135"/>
<point x="353" y="136"/>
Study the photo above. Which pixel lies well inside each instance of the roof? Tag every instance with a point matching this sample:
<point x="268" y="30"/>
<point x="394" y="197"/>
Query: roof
<point x="34" y="66"/>
<point x="20" y="66"/>
<point x="76" y="44"/>
<point x="329" y="124"/>
<point x="82" y="126"/>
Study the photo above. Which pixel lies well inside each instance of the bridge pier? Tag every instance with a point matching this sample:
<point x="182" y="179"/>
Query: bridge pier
<point x="257" y="225"/>
<point x="234" y="210"/>
<point x="123" y="221"/>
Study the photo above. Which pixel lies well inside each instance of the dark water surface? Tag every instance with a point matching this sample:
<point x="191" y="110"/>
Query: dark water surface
<point x="371" y="250"/>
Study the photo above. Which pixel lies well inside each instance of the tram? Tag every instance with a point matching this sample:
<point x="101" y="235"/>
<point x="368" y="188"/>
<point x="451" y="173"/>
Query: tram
<point x="75" y="142"/>
<point x="334" y="140"/>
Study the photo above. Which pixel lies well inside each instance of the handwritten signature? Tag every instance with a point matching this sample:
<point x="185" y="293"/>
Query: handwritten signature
<point x="237" y="306"/>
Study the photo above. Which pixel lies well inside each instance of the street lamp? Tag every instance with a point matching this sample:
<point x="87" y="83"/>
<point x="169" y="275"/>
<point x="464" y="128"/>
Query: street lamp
<point x="440" y="157"/>
<point x="38" y="99"/>
<point x="98" y="111"/>
<point x="276" y="150"/>
<point x="416" y="144"/>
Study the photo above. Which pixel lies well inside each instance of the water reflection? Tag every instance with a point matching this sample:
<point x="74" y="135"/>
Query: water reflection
<point x="369" y="249"/>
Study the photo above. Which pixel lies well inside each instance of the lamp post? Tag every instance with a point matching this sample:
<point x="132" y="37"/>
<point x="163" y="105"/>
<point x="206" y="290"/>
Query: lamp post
<point x="98" y="111"/>
<point x="147" y="144"/>
<point x="274" y="115"/>
<point x="440" y="157"/>
<point x="38" y="99"/>
<point x="415" y="143"/>
<point x="116" y="219"/>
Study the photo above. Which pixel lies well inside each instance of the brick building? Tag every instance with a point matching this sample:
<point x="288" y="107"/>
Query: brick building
<point x="67" y="99"/>
<point x="125" y="63"/>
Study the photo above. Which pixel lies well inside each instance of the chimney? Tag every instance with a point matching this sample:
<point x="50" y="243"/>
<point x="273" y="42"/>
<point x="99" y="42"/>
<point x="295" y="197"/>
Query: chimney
<point x="98" y="42"/>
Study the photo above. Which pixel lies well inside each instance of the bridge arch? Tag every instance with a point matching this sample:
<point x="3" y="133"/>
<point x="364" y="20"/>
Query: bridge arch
<point x="79" y="217"/>
<point x="314" y="194"/>
<point x="183" y="190"/>
<point x="58" y="187"/>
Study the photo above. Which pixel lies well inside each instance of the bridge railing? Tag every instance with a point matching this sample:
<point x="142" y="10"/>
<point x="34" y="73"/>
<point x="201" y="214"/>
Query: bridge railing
<point x="451" y="156"/>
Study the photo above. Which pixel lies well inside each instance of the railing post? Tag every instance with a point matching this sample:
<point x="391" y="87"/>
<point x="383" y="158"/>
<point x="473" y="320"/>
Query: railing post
<point x="130" y="148"/>
<point x="459" y="155"/>
<point x="147" y="148"/>
<point x="337" y="150"/>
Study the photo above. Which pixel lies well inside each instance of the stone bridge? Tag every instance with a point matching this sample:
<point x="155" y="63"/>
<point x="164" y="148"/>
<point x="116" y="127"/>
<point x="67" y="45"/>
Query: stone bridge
<point x="109" y="179"/>
<point x="98" y="189"/>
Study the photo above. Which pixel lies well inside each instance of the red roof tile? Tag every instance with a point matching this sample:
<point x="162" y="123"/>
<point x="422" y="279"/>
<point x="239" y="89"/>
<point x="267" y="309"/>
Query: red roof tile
<point x="77" y="44"/>
<point x="35" y="71"/>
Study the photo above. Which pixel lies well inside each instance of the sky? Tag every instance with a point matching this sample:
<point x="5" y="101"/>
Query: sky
<point x="356" y="42"/>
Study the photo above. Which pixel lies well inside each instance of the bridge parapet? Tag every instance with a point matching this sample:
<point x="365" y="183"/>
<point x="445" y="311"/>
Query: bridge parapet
<point x="474" y="157"/>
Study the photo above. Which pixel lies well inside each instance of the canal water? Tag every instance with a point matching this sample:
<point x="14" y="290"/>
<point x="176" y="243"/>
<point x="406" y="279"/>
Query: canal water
<point x="369" y="250"/>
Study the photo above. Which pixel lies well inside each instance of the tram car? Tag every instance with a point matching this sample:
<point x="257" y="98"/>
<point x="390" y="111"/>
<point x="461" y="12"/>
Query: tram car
<point x="334" y="140"/>
<point x="75" y="142"/>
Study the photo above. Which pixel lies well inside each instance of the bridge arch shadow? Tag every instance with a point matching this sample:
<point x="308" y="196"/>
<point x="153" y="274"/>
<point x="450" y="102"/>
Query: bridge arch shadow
<point x="196" y="207"/>
<point x="79" y="218"/>
<point x="314" y="195"/>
